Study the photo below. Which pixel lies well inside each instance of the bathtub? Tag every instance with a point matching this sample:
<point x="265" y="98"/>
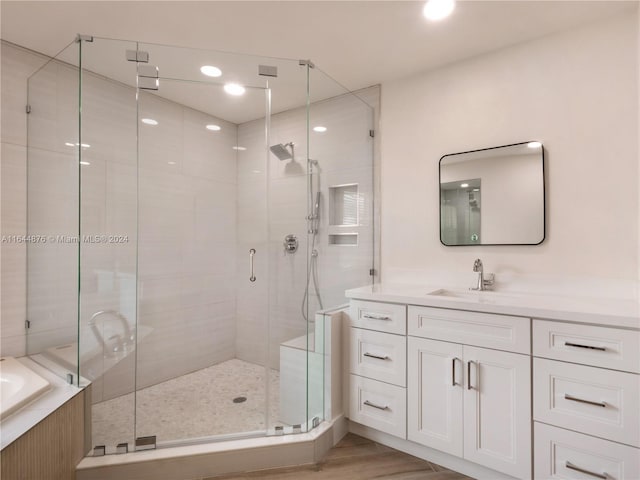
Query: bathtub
<point x="19" y="385"/>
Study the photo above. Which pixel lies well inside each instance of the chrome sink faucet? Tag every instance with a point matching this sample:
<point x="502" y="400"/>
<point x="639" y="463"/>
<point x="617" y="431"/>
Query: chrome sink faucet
<point x="483" y="283"/>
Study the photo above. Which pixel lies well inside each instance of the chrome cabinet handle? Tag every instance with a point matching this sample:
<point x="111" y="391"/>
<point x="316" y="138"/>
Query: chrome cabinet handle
<point x="590" y="347"/>
<point x="581" y="400"/>
<point x="369" y="404"/>
<point x="252" y="276"/>
<point x="375" y="317"/>
<point x="571" y="466"/>
<point x="469" y="387"/>
<point x="453" y="372"/>
<point x="379" y="357"/>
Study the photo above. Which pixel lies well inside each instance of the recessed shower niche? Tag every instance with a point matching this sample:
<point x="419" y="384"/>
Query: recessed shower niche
<point x="344" y="208"/>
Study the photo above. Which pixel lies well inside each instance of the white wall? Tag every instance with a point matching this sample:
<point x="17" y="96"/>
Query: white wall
<point x="577" y="92"/>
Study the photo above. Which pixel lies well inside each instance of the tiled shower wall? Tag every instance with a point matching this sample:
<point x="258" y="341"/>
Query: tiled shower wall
<point x="187" y="204"/>
<point x="344" y="154"/>
<point x="186" y="188"/>
<point x="17" y="65"/>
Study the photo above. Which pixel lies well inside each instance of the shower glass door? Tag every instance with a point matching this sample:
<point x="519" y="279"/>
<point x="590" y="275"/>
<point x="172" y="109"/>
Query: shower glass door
<point x="190" y="382"/>
<point x="205" y="368"/>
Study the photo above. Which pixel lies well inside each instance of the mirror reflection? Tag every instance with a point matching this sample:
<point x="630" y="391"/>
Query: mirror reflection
<point x="493" y="196"/>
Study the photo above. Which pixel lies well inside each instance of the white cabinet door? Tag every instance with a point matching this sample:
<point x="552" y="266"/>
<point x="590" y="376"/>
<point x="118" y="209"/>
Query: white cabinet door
<point x="435" y="378"/>
<point x="497" y="410"/>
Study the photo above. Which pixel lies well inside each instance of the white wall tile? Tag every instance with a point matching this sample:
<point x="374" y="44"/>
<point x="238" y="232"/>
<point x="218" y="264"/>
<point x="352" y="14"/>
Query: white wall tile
<point x="17" y="65"/>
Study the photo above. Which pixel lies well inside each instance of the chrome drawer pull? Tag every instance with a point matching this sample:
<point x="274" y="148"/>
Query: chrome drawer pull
<point x="576" y="399"/>
<point x="369" y="404"/>
<point x="379" y="357"/>
<point x="590" y="347"/>
<point x="571" y="466"/>
<point x="469" y="387"/>
<point x="375" y="317"/>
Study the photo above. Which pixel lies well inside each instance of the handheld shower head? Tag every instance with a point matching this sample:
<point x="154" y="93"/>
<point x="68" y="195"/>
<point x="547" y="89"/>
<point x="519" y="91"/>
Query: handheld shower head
<point x="280" y="150"/>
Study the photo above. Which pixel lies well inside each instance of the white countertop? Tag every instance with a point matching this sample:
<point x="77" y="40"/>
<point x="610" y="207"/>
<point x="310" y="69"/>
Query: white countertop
<point x="601" y="311"/>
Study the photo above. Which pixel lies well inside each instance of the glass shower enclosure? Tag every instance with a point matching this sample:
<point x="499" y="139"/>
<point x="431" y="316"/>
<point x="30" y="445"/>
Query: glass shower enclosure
<point x="196" y="210"/>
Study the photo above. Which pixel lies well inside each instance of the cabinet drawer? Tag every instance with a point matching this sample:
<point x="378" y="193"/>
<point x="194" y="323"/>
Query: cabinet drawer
<point x="591" y="400"/>
<point x="597" y="346"/>
<point x="562" y="454"/>
<point x="380" y="356"/>
<point x="378" y="405"/>
<point x="384" y="317"/>
<point x="501" y="332"/>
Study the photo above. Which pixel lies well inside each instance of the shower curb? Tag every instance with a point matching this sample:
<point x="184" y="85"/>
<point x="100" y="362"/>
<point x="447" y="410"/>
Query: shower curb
<point x="206" y="460"/>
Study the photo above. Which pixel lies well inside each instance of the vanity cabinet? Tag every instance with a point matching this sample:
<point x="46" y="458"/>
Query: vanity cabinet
<point x="586" y="401"/>
<point x="377" y="366"/>
<point x="498" y="388"/>
<point x="471" y="402"/>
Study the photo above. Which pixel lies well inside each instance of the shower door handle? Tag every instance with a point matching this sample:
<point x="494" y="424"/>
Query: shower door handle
<point x="252" y="276"/>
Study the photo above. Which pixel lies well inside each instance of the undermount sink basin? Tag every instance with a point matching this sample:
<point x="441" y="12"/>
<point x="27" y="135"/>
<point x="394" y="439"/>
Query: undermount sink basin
<point x="484" y="296"/>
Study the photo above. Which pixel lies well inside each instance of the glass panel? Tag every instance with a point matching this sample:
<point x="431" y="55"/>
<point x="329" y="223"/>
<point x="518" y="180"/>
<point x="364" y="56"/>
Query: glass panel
<point x="202" y="177"/>
<point x="108" y="228"/>
<point x="52" y="214"/>
<point x="341" y="193"/>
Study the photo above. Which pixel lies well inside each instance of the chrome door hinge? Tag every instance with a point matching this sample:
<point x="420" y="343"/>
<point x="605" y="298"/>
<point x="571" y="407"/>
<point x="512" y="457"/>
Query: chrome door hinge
<point x="146" y="443"/>
<point x="28" y="109"/>
<point x="373" y="272"/>
<point x="308" y="63"/>
<point x="267" y="71"/>
<point x="84" y="38"/>
<point x="138" y="56"/>
<point x="27" y="324"/>
<point x="372" y="133"/>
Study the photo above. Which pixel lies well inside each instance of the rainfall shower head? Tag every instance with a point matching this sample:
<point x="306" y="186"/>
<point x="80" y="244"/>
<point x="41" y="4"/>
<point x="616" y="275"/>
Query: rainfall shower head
<point x="281" y="151"/>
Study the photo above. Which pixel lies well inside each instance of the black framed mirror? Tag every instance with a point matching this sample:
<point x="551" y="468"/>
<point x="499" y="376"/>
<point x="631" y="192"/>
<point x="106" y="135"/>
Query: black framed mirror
<point x="493" y="196"/>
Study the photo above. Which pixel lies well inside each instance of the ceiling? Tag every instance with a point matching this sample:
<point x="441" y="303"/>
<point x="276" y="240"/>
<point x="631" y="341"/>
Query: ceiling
<point x="359" y="43"/>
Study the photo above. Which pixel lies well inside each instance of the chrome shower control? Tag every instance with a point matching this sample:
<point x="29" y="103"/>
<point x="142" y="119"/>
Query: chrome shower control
<point x="290" y="243"/>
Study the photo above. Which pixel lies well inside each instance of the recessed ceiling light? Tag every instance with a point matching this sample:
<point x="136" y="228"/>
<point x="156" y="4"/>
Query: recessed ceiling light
<point x="210" y="71"/>
<point x="234" y="89"/>
<point x="239" y="148"/>
<point x="438" y="9"/>
<point x="212" y="127"/>
<point x="464" y="185"/>
<point x="320" y="129"/>
<point x="171" y="163"/>
<point x="534" y="144"/>
<point x="85" y="163"/>
<point x="149" y="121"/>
<point x="476" y="189"/>
<point x="70" y="144"/>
